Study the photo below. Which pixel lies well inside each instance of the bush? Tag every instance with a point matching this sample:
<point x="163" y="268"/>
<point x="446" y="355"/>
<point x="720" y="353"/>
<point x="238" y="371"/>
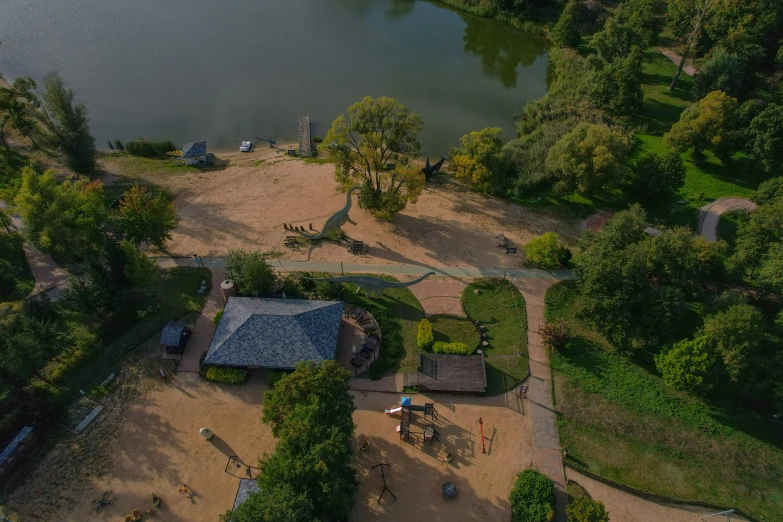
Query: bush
<point x="218" y="316"/>
<point x="273" y="376"/>
<point x="585" y="509"/>
<point x="565" y="33"/>
<point x="652" y="176"/>
<point x="425" y="337"/>
<point x="555" y="335"/>
<point x="533" y="497"/>
<point x="454" y="348"/>
<point x="545" y="252"/>
<point x="689" y="365"/>
<point x="149" y="149"/>
<point x="226" y="375"/>
<point x="250" y="272"/>
<point x="724" y="71"/>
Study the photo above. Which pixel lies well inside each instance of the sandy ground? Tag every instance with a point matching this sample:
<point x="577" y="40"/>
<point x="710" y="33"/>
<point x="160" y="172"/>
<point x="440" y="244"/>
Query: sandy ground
<point x="149" y="442"/>
<point x="245" y="206"/>
<point x="440" y="296"/>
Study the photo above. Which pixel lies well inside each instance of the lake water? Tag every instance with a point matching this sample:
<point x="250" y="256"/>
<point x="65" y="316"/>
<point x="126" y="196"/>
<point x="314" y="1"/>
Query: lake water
<point x="229" y="70"/>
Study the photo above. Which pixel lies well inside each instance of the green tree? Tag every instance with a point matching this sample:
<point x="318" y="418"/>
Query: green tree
<point x="250" y="272"/>
<point x="69" y="124"/>
<point x="64" y="219"/>
<point x="756" y="234"/>
<point x="544" y="251"/>
<point x="480" y="162"/>
<point x="724" y="71"/>
<point x="282" y="504"/>
<point x="765" y="138"/>
<point x="147" y="216"/>
<point x="21" y="105"/>
<point x="424" y="335"/>
<point x="686" y="20"/>
<point x="378" y="131"/>
<point x="769" y="191"/>
<point x="585" y="509"/>
<point x="615" y="40"/>
<point x="737" y="334"/>
<point x="140" y="270"/>
<point x="616" y="86"/>
<point x="532" y="498"/>
<point x="588" y="159"/>
<point x="771" y="270"/>
<point x="706" y="125"/>
<point x="653" y="176"/>
<point x="690" y="365"/>
<point x="26" y="343"/>
<point x="565" y="33"/>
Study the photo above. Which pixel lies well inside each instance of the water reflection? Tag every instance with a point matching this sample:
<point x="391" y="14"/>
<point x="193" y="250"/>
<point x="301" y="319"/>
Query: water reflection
<point x="400" y="9"/>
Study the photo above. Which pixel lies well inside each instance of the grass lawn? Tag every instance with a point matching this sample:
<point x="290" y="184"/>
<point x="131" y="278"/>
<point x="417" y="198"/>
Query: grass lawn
<point x="399" y="352"/>
<point x="501" y="308"/>
<point x="16" y="281"/>
<point x="453" y="329"/>
<point x="619" y="420"/>
<point x="703" y="183"/>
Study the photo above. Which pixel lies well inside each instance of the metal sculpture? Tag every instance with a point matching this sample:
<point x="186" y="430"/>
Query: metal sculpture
<point x="335" y="221"/>
<point x="431" y="170"/>
<point x="370" y="284"/>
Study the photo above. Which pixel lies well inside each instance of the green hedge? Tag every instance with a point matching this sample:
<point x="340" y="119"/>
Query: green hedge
<point x="218" y="317"/>
<point x="226" y="375"/>
<point x="425" y="337"/>
<point x="149" y="149"/>
<point x="533" y="497"/>
<point x="455" y="348"/>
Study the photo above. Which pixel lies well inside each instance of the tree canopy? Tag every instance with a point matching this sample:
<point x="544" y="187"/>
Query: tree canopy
<point x="480" y="162"/>
<point x="147" y="216"/>
<point x="706" y="125"/>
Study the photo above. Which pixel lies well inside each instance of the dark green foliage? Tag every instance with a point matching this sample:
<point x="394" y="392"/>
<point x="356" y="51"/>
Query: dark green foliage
<point x="26" y="344"/>
<point x="16" y="281"/>
<point x="309" y="476"/>
<point x="68" y="124"/>
<point x="111" y="145"/>
<point x="722" y="72"/>
<point x="770" y="272"/>
<point x="118" y="144"/>
<point x="20" y="105"/>
<point x="585" y="509"/>
<point x="653" y="176"/>
<point x="424" y="336"/>
<point x="710" y="125"/>
<point x="769" y="191"/>
<point x="737" y="334"/>
<point x="217" y="318"/>
<point x="452" y="348"/>
<point x="532" y="498"/>
<point x="149" y="149"/>
<point x="226" y="375"/>
<point x="250" y="272"/>
<point x="756" y="234"/>
<point x="616" y="86"/>
<point x="565" y="33"/>
<point x="765" y="139"/>
<point x="147" y="216"/>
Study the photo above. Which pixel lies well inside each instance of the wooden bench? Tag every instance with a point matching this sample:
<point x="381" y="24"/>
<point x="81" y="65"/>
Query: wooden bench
<point x="291" y="242"/>
<point x="356" y="247"/>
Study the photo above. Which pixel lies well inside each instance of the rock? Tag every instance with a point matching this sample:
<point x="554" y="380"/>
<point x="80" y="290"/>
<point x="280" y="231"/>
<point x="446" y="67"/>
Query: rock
<point x="477" y="291"/>
<point x="484" y="343"/>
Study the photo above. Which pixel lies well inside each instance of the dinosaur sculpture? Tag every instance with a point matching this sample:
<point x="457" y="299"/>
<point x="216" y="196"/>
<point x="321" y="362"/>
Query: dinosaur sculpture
<point x="431" y="170"/>
<point x="335" y="221"/>
<point x="370" y="284"/>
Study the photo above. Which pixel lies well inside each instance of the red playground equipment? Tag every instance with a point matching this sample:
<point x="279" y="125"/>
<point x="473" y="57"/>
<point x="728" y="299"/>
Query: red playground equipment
<point x="481" y="423"/>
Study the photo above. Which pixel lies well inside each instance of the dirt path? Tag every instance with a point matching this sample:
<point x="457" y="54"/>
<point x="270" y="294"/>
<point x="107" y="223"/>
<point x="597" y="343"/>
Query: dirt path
<point x="547" y="455"/>
<point x="688" y="69"/>
<point x="710" y="214"/>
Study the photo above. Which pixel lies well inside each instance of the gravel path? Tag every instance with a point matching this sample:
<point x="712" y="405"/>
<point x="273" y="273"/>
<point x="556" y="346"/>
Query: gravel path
<point x="710" y="214"/>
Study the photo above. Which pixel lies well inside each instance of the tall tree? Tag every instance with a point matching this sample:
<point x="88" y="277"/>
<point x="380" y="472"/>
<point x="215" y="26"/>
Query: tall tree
<point x="378" y="131"/>
<point x="20" y="104"/>
<point x="686" y="19"/>
<point x="68" y="122"/>
<point x="147" y="216"/>
<point x="479" y="162"/>
<point x="707" y="125"/>
<point x="765" y="138"/>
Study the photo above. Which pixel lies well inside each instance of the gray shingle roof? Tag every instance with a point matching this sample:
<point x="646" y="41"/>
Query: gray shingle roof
<point x="194" y="150"/>
<point x="246" y="488"/>
<point x="275" y="333"/>
<point x="171" y="335"/>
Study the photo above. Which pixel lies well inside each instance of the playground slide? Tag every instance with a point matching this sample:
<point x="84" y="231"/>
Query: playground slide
<point x="393" y="410"/>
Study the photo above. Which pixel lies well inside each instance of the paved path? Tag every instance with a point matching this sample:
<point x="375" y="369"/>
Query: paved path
<point x="547" y="455"/>
<point x="710" y="214"/>
<point x="440" y="296"/>
<point x="688" y="69"/>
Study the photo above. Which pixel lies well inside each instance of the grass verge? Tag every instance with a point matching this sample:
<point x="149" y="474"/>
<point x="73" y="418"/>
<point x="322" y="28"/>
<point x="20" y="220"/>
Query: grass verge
<point x="453" y="329"/>
<point x="499" y="306"/>
<point x="619" y="420"/>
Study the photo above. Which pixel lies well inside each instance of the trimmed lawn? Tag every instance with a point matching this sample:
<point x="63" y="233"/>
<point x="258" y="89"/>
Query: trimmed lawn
<point x="501" y="308"/>
<point x="399" y="352"/>
<point x="16" y="281"/>
<point x="453" y="329"/>
<point x="619" y="420"/>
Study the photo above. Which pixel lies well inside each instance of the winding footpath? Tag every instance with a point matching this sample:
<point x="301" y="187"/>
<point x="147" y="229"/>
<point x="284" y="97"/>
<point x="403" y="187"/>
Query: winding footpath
<point x="710" y="214"/>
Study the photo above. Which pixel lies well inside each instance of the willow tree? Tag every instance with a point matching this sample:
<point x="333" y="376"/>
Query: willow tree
<point x="372" y="148"/>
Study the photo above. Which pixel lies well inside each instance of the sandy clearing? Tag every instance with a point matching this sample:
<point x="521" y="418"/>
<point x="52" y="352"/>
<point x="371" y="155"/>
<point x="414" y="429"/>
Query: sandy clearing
<point x="150" y="443"/>
<point x="245" y="206"/>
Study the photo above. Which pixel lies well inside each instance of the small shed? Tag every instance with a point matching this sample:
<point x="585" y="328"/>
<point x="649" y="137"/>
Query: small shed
<point x="194" y="153"/>
<point x="174" y="337"/>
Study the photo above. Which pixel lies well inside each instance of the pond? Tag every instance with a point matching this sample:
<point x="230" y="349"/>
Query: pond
<point x="239" y="70"/>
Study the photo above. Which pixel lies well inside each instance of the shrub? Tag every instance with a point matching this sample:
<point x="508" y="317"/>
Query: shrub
<point x="565" y="33"/>
<point x="218" y="316"/>
<point x="272" y="377"/>
<point x="585" y="509"/>
<point x="689" y="365"/>
<point x="250" y="272"/>
<point x="533" y="497"/>
<point x="545" y="252"/>
<point x="724" y="71"/>
<point x="226" y="375"/>
<point x="555" y="335"/>
<point x="454" y="348"/>
<point x="652" y="176"/>
<point x="149" y="149"/>
<point x="317" y="139"/>
<point x="425" y="337"/>
<point x="706" y="125"/>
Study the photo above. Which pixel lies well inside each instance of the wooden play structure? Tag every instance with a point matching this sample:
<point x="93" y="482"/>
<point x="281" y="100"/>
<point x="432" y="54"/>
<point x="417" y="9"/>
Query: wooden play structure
<point x="406" y="410"/>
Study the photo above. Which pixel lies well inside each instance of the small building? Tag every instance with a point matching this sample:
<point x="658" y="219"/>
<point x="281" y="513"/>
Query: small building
<point x="440" y="372"/>
<point x="194" y="153"/>
<point x="275" y="333"/>
<point x="174" y="337"/>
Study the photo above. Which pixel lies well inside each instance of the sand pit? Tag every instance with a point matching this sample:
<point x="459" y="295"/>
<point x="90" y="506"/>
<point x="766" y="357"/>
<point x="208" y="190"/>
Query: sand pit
<point x="245" y="206"/>
<point x="151" y="444"/>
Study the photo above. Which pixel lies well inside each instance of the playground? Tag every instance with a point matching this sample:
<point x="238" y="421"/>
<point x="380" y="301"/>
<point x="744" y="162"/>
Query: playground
<point x="248" y="204"/>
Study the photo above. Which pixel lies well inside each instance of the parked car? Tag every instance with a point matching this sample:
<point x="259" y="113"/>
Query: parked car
<point x="246" y="146"/>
